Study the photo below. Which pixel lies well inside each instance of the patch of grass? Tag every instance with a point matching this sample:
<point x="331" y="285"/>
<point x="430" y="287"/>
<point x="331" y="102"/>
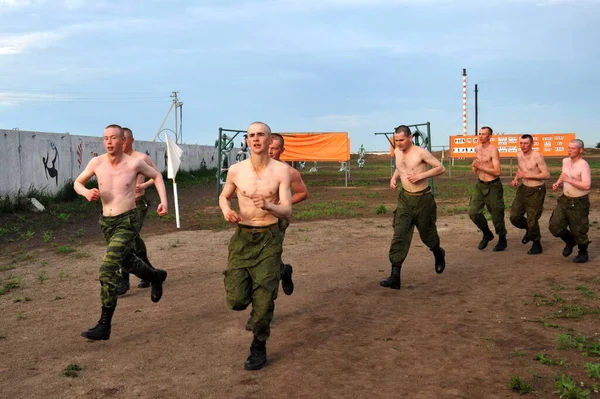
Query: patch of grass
<point x="593" y="370"/>
<point x="65" y="249"/>
<point x="47" y="235"/>
<point x="63" y="217"/>
<point x="567" y="341"/>
<point x="317" y="210"/>
<point x="81" y="254"/>
<point x="567" y="388"/>
<point x="62" y="274"/>
<point x="516" y="384"/>
<point x="58" y="298"/>
<point x="6" y="268"/>
<point x="519" y="353"/>
<point x="543" y="359"/>
<point x="72" y="371"/>
<point x="175" y="244"/>
<point x="20" y="316"/>
<point x="542" y="300"/>
<point x="12" y="284"/>
<point x="42" y="277"/>
<point x="381" y="210"/>
<point x="586" y="291"/>
<point x="573" y="311"/>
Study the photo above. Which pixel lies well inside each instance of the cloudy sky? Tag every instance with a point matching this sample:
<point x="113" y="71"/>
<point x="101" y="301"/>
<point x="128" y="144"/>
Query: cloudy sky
<point x="360" y="66"/>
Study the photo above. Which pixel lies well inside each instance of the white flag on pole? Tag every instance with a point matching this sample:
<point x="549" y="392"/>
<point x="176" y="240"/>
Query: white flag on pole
<point x="173" y="157"/>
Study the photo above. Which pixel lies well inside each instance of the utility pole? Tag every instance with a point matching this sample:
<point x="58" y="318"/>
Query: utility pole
<point x="476" y="111"/>
<point x="464" y="95"/>
<point x="176" y="105"/>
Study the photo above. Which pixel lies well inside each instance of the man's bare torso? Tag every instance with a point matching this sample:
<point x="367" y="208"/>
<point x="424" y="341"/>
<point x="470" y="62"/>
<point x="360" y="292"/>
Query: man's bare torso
<point x="249" y="183"/>
<point x="140" y="177"/>
<point x="408" y="163"/>
<point x="116" y="183"/>
<point x="574" y="170"/>
<point x="485" y="157"/>
<point x="530" y="164"/>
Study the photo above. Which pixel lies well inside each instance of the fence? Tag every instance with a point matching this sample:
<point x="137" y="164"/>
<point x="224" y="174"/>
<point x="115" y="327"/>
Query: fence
<point x="48" y="161"/>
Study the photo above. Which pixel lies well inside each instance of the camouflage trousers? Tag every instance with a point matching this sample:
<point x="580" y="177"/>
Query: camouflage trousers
<point x="530" y="201"/>
<point x="489" y="195"/>
<point x="413" y="210"/>
<point x="253" y="273"/>
<point x="139" y="246"/>
<point x="120" y="233"/>
<point x="571" y="213"/>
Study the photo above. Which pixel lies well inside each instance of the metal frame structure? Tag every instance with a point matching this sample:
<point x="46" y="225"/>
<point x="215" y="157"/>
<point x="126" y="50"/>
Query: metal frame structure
<point x="224" y="146"/>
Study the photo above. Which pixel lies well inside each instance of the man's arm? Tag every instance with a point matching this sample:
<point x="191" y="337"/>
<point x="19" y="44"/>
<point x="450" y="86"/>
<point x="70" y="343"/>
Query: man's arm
<point x="543" y="173"/>
<point x="436" y="168"/>
<point x="560" y="178"/>
<point x="495" y="169"/>
<point x="283" y="209"/>
<point x="298" y="187"/>
<point x="149" y="182"/>
<point x="225" y="197"/>
<point x="515" y="181"/>
<point x="85" y="176"/>
<point x="586" y="178"/>
<point x="394" y="179"/>
<point x="151" y="173"/>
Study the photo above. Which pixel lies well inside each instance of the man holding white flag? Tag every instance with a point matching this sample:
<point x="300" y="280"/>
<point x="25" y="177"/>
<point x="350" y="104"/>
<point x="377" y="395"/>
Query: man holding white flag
<point x="173" y="162"/>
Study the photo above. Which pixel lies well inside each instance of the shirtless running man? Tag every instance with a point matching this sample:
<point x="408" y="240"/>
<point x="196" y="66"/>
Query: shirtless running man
<point x="141" y="206"/>
<point x="488" y="191"/>
<point x="530" y="196"/>
<point x="117" y="175"/>
<point x="262" y="186"/>
<point x="570" y="219"/>
<point x="416" y="205"/>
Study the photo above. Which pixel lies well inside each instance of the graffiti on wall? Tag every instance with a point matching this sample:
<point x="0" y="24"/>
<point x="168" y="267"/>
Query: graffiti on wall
<point x="51" y="170"/>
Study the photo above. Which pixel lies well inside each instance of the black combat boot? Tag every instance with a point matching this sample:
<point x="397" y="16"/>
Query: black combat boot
<point x="393" y="281"/>
<point x="567" y="237"/>
<point x="124" y="287"/>
<point x="144" y="284"/>
<point x="258" y="355"/>
<point x="102" y="329"/>
<point x="502" y="244"/>
<point x="286" y="279"/>
<point x="525" y="238"/>
<point x="582" y="255"/>
<point x="440" y="259"/>
<point x="487" y="237"/>
<point x="158" y="278"/>
<point x="536" y="248"/>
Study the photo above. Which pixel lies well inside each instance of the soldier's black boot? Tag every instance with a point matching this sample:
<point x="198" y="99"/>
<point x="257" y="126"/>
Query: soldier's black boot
<point x="582" y="255"/>
<point x="569" y="243"/>
<point x="144" y="284"/>
<point x="525" y="238"/>
<point x="102" y="330"/>
<point x="502" y="244"/>
<point x="440" y="259"/>
<point x="158" y="278"/>
<point x="286" y="279"/>
<point x="536" y="248"/>
<point x="487" y="237"/>
<point x="124" y="287"/>
<point x="258" y="355"/>
<point x="393" y="281"/>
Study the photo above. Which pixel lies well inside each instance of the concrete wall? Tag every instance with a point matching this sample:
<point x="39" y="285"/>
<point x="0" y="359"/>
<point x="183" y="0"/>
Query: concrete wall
<point x="47" y="161"/>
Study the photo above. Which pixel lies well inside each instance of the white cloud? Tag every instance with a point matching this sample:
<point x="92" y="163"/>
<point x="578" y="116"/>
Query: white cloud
<point x="13" y="99"/>
<point x="19" y="43"/>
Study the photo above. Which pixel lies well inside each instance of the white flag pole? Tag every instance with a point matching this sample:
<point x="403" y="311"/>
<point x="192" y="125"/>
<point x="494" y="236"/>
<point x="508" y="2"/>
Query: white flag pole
<point x="176" y="203"/>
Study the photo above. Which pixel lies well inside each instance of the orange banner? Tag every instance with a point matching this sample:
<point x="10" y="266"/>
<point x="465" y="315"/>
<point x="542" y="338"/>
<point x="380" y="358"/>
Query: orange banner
<point x="316" y="147"/>
<point x="549" y="145"/>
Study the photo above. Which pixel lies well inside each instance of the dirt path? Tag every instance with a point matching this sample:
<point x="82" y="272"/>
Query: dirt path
<point x="453" y="335"/>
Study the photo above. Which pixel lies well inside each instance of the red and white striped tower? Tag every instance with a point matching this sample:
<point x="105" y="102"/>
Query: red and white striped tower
<point x="464" y="93"/>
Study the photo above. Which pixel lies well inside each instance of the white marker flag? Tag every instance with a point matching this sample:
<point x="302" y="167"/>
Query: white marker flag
<point x="173" y="157"/>
<point x="173" y="162"/>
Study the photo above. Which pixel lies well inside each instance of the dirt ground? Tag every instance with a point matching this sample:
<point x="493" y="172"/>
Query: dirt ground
<point x="462" y="334"/>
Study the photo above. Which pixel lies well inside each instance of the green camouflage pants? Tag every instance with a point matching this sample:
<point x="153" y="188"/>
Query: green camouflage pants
<point x="283" y="225"/>
<point x="252" y="274"/>
<point x="571" y="213"/>
<point x="412" y="211"/>
<point x="139" y="246"/>
<point x="120" y="233"/>
<point x="491" y="196"/>
<point x="530" y="201"/>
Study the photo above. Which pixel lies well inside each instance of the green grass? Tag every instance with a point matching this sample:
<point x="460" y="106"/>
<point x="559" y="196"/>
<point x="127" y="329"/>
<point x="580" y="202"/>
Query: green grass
<point x="72" y="371"/>
<point x="327" y="209"/>
<point x="593" y="370"/>
<point x="11" y="284"/>
<point x="543" y="359"/>
<point x="381" y="209"/>
<point x="65" y="249"/>
<point x="516" y="384"/>
<point x="567" y="387"/>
